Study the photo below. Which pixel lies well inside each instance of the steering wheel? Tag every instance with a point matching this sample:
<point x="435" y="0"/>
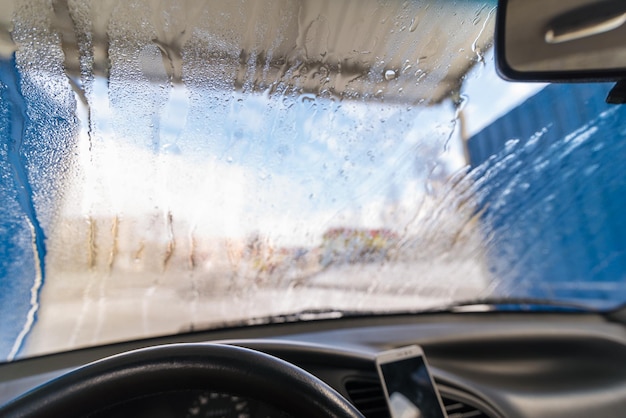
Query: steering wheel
<point x="220" y="368"/>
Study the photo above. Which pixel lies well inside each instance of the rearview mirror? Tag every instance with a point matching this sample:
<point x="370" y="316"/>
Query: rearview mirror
<point x="561" y="40"/>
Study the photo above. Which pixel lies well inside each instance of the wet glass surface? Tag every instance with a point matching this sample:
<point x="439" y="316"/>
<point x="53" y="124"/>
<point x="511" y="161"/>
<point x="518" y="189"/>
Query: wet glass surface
<point x="197" y="164"/>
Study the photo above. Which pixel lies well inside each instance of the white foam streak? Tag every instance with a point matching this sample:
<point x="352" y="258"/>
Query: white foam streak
<point x="34" y="300"/>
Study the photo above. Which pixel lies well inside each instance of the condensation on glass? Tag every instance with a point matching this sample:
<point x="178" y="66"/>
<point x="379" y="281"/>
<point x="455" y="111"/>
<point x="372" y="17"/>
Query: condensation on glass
<point x="182" y="165"/>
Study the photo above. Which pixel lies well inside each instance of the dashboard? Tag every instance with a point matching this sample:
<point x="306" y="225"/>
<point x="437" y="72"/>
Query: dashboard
<point x="486" y="364"/>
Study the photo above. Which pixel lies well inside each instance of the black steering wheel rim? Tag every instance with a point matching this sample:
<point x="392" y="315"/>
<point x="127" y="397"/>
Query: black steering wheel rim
<point x="216" y="367"/>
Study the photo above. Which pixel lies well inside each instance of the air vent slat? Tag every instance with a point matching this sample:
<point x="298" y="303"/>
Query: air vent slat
<point x="359" y="391"/>
<point x="454" y="406"/>
<point x="471" y="414"/>
<point x="368" y="397"/>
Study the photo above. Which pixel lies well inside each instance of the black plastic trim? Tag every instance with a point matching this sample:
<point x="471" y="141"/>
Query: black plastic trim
<point x="506" y="72"/>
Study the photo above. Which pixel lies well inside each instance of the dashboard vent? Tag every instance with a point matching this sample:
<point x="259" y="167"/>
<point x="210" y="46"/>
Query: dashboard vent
<point x="458" y="409"/>
<point x="368" y="397"/>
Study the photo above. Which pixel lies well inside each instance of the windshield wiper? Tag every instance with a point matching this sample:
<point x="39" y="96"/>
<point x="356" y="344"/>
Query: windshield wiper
<point x="496" y="304"/>
<point x="617" y="314"/>
<point x="476" y="305"/>
<point x="305" y="315"/>
<point x="516" y="304"/>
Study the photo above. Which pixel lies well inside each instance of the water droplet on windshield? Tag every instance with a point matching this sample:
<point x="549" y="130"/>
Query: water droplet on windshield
<point x="307" y="98"/>
<point x="414" y="23"/>
<point x="390" y="75"/>
<point x="170" y="149"/>
<point x="475" y="47"/>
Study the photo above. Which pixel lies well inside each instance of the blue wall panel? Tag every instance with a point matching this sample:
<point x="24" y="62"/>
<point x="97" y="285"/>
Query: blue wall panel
<point x="555" y="195"/>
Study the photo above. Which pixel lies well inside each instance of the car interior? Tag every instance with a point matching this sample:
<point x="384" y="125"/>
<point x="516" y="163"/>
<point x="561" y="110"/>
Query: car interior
<point x="538" y="341"/>
<point x="485" y="364"/>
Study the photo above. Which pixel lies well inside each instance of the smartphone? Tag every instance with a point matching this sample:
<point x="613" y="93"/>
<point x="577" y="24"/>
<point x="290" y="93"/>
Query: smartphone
<point x="408" y="386"/>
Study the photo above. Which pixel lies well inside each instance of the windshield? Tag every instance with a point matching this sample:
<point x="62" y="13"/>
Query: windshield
<point x="173" y="166"/>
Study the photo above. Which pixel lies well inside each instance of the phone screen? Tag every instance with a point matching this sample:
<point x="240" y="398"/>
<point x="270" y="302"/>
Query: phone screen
<point x="410" y="389"/>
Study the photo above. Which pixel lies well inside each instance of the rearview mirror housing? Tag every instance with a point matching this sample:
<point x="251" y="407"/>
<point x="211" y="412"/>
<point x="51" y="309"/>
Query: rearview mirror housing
<point x="561" y="40"/>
